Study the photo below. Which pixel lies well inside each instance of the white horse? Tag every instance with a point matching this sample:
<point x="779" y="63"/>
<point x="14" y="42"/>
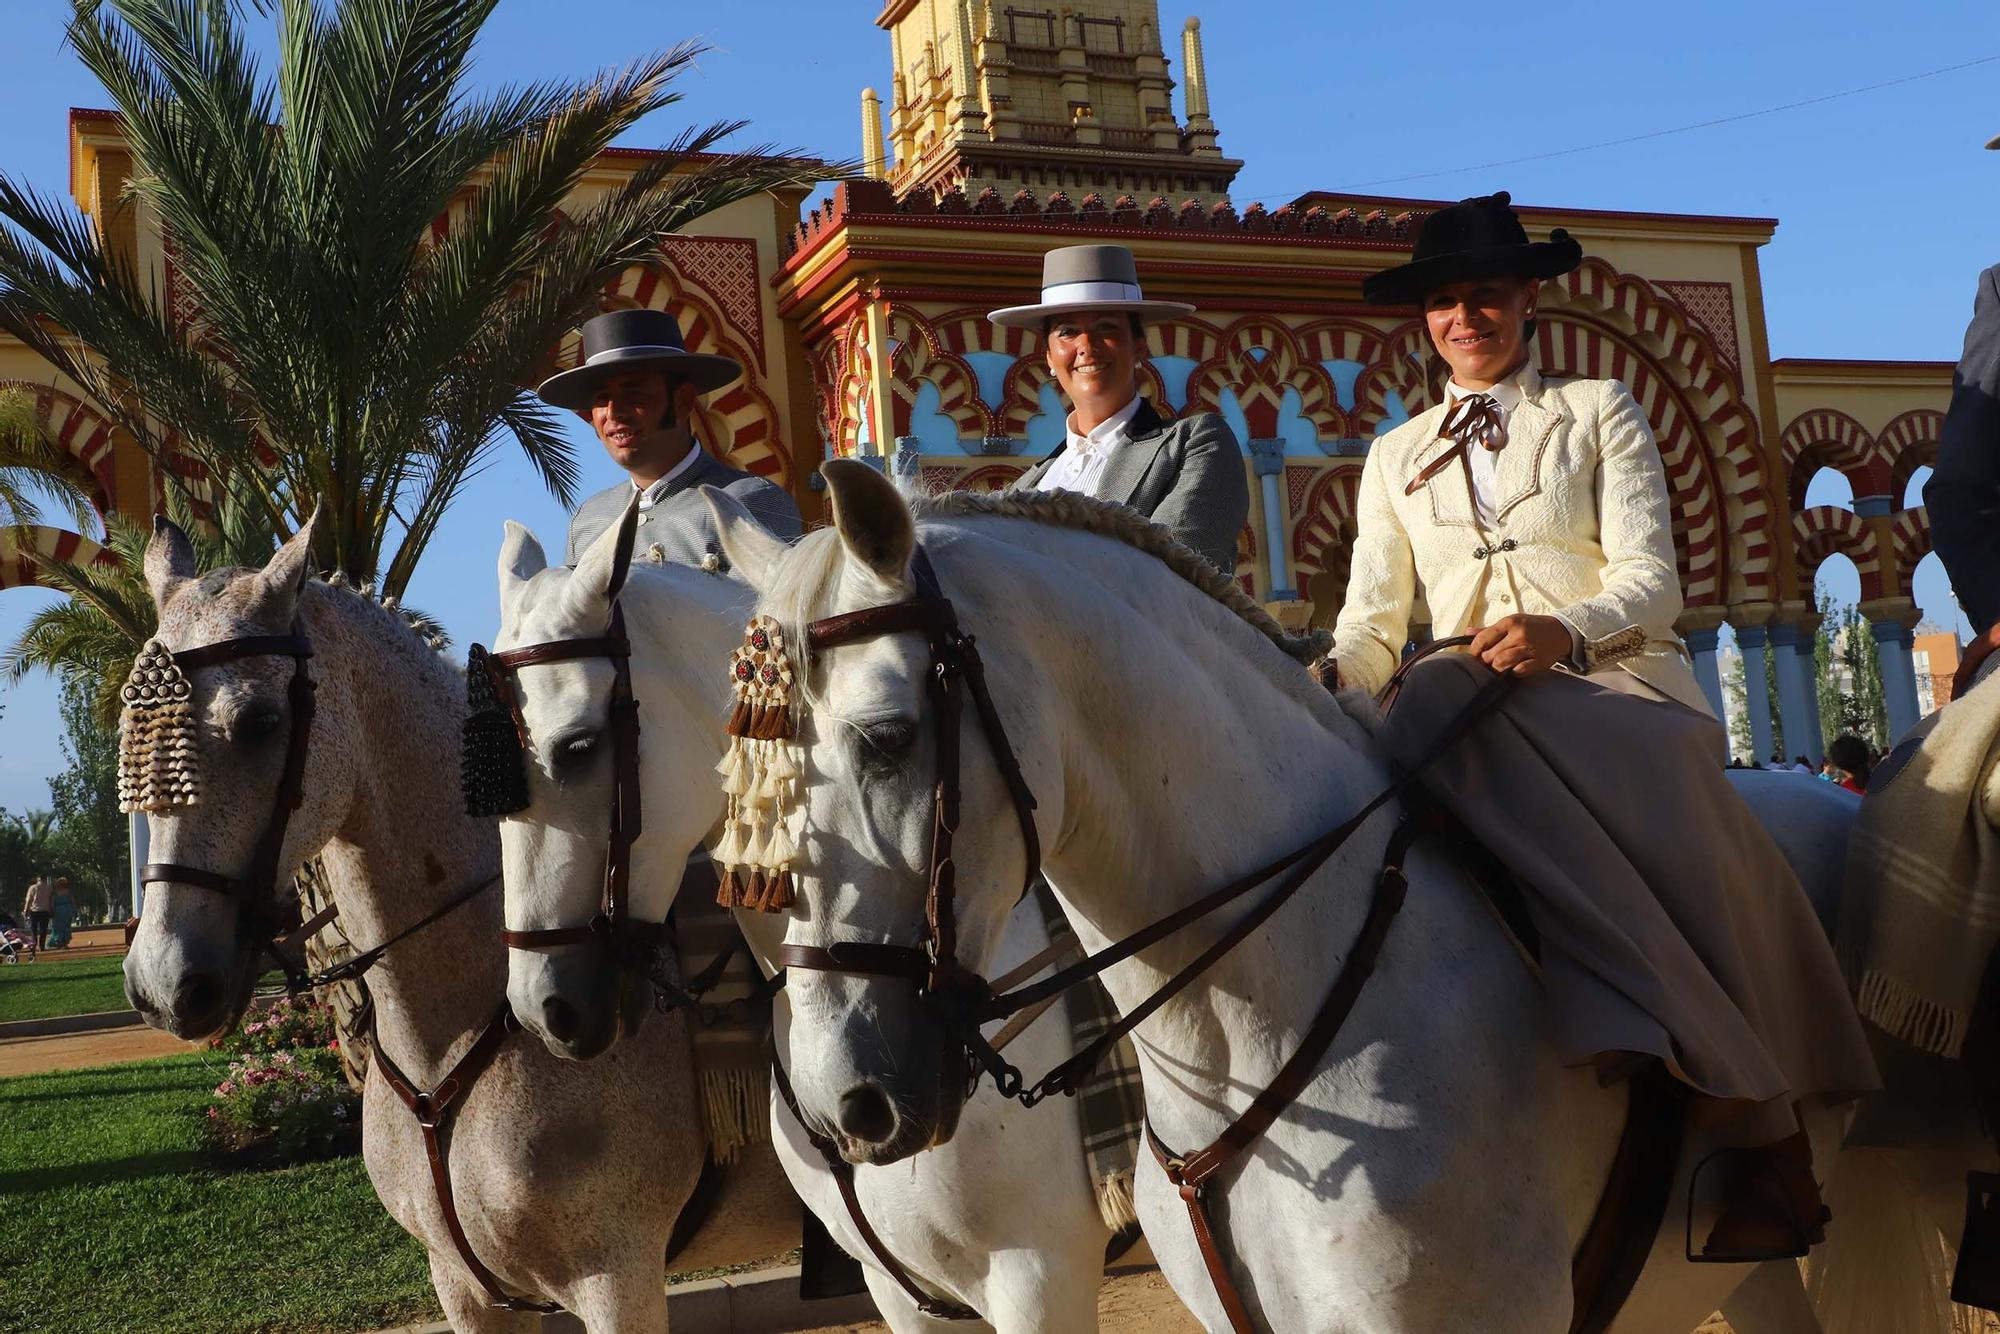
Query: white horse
<point x="1440" y="1167"/>
<point x="567" y="1180"/>
<point x="1004" y="1219"/>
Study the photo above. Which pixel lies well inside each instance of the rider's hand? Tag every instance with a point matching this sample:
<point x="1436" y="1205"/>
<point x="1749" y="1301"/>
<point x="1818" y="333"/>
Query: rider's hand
<point x="1975" y="653"/>
<point x="1521" y="643"/>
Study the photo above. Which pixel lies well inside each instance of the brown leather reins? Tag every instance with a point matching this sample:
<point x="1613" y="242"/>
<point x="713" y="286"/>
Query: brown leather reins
<point x="966" y="1000"/>
<point x="630" y="941"/>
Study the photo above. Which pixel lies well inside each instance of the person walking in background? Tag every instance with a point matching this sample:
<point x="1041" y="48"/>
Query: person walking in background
<point x="1802" y="765"/>
<point x="39" y="906"/>
<point x="63" y="910"/>
<point x="1848" y="755"/>
<point x="1963" y="493"/>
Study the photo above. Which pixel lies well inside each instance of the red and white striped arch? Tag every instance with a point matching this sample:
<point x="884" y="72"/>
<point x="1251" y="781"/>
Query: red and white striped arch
<point x="19" y="548"/>
<point x="1323" y="536"/>
<point x="1908" y="443"/>
<point x="80" y="431"/>
<point x="1828" y="438"/>
<point x="1910" y="538"/>
<point x="1826" y="530"/>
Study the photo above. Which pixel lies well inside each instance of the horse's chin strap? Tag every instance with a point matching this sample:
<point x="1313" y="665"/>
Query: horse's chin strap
<point x="259" y="917"/>
<point x="631" y="942"/>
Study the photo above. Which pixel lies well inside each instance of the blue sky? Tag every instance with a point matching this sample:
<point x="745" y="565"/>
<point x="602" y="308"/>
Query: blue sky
<point x="1888" y="207"/>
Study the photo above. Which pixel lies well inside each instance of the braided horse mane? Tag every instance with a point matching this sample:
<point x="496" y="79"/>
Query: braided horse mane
<point x="1069" y="509"/>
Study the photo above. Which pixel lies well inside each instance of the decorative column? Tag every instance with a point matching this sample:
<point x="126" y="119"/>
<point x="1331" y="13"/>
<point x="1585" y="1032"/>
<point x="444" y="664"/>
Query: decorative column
<point x="1805" y="662"/>
<point x="1200" y="135"/>
<point x="1756" y="693"/>
<point x="874" y="155"/>
<point x="1701" y="646"/>
<point x="968" y="115"/>
<point x="1791" y="699"/>
<point x="1268" y="458"/>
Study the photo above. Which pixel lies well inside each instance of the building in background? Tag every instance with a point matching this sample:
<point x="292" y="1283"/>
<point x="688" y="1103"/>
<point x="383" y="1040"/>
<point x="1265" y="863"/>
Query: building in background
<point x="1010" y="128"/>
<point x="1934" y="656"/>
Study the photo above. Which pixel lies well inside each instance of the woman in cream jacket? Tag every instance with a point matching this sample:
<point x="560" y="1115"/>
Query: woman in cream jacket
<point x="1533" y="513"/>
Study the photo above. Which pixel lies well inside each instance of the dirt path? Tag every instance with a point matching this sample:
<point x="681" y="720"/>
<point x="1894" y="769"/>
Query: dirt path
<point x="77" y="1051"/>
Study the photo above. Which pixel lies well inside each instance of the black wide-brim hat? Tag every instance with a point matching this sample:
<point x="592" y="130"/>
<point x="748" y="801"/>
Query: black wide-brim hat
<point x="1474" y="238"/>
<point x="623" y="340"/>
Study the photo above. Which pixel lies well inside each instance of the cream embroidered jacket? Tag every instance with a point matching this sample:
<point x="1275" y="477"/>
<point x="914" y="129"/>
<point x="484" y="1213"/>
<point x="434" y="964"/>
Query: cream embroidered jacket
<point x="1581" y="530"/>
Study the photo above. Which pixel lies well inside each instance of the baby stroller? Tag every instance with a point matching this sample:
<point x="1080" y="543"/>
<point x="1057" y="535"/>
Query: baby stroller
<point x="16" y="945"/>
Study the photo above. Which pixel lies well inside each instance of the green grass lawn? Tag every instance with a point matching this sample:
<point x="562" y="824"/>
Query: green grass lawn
<point x="111" y="1220"/>
<point x="54" y="985"/>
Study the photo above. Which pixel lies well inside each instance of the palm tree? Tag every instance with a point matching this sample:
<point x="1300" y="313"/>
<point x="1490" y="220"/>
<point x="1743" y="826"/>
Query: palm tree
<point x="31" y="463"/>
<point x="370" y="259"/>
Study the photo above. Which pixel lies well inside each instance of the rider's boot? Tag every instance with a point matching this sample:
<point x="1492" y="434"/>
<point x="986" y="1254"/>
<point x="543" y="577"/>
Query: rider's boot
<point x="1773" y="1209"/>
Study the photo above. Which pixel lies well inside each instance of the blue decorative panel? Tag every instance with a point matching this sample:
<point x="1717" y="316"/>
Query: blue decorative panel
<point x="1344" y="374"/>
<point x="1232" y="412"/>
<point x="991" y="368"/>
<point x="937" y="433"/>
<point x="1396" y="414"/>
<point x="1297" y="433"/>
<point x="1048" y="428"/>
<point x="1174" y="373"/>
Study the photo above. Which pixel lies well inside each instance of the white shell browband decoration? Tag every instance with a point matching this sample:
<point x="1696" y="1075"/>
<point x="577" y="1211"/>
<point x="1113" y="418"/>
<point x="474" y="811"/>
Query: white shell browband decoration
<point x="761" y="773"/>
<point x="156" y="759"/>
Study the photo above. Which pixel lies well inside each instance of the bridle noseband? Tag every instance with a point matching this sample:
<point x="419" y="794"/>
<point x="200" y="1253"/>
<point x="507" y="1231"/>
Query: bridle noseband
<point x="613" y="926"/>
<point x="256" y="896"/>
<point x="955" y="672"/>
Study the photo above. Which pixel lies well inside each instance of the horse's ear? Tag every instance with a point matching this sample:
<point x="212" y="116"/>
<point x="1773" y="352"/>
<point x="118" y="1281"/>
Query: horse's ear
<point x="606" y="561"/>
<point x="169" y="561"/>
<point x="521" y="559"/>
<point x="872" y="518"/>
<point x="753" y="550"/>
<point x="285" y="574"/>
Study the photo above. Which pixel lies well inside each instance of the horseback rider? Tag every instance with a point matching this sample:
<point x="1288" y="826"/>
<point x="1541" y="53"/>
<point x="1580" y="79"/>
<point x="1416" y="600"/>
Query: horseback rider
<point x="1533" y="512"/>
<point x="1186" y="473"/>
<point x="638" y="388"/>
<point x="1963" y="493"/>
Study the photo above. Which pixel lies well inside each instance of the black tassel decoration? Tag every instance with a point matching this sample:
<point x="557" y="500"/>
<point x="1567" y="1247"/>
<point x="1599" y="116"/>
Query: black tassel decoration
<point x="491" y="769"/>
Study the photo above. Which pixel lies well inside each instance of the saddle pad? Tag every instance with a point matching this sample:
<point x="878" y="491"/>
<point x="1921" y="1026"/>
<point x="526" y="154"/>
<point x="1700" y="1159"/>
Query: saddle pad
<point x="732" y="1054"/>
<point x="1111" y="1103"/>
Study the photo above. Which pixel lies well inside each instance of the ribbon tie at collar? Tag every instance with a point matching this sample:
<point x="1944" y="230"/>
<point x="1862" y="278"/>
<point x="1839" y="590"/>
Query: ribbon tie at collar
<point x="1473" y="420"/>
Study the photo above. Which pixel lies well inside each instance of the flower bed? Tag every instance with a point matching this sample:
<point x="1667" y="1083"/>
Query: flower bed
<point x="284" y="1099"/>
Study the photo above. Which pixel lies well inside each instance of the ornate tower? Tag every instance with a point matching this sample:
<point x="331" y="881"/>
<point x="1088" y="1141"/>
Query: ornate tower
<point x="1028" y="94"/>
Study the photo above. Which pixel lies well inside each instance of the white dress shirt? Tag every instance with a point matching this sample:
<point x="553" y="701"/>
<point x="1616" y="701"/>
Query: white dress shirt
<point x="1081" y="464"/>
<point x="1506" y="394"/>
<point x="650" y="496"/>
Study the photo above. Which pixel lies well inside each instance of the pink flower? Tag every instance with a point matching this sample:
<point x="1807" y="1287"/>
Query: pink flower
<point x="224" y="1089"/>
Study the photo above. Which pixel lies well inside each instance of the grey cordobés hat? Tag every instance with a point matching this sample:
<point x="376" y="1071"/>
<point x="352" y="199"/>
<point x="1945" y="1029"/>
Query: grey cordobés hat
<point x="623" y="340"/>
<point x="1078" y="279"/>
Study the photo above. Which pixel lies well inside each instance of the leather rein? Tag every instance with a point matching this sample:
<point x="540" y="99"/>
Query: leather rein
<point x="966" y="1000"/>
<point x="632" y="942"/>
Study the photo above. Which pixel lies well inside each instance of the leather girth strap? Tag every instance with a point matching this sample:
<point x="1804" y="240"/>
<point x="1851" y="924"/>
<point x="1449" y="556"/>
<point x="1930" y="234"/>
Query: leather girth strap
<point x="937" y="1308"/>
<point x="1633" y="1205"/>
<point x="1190" y="1173"/>
<point x="435" y="1109"/>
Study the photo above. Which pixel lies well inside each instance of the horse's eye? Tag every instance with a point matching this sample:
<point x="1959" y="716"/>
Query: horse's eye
<point x="256" y="725"/>
<point x="573" y="754"/>
<point x="892" y="738"/>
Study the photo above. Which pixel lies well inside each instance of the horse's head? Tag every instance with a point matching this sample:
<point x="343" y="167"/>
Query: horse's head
<point x="553" y="851"/>
<point x="228" y="867"/>
<point x="874" y="1061"/>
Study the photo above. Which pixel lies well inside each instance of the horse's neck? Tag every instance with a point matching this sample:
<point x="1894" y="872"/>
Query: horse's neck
<point x="683" y="624"/>
<point x="1191" y="754"/>
<point x="406" y="847"/>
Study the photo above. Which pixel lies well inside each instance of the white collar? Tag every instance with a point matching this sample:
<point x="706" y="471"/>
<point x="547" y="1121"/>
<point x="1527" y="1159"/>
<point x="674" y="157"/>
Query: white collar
<point x="1508" y="393"/>
<point x="1103" y="433"/>
<point x="650" y="496"/>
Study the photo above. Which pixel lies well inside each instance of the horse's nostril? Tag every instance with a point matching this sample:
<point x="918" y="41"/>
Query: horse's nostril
<point x="561" y="1020"/>
<point x="197" y="997"/>
<point x="865" y="1113"/>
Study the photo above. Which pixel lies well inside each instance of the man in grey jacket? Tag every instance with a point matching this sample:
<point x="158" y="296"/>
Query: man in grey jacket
<point x="1963" y="493"/>
<point x="637" y="387"/>
<point x="1186" y="474"/>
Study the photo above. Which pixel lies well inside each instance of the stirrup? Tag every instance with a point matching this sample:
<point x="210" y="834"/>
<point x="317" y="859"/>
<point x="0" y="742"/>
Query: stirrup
<point x="1809" y="1235"/>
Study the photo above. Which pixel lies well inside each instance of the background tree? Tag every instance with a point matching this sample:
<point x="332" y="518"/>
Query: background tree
<point x="1736" y="694"/>
<point x="1851" y="698"/>
<point x="89" y="842"/>
<point x="24" y="840"/>
<point x="326" y="342"/>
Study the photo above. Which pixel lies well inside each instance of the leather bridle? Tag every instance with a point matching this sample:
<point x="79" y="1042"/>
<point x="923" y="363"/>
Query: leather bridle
<point x="256" y="896"/>
<point x="630" y="941"/>
<point x="955" y="672"/>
